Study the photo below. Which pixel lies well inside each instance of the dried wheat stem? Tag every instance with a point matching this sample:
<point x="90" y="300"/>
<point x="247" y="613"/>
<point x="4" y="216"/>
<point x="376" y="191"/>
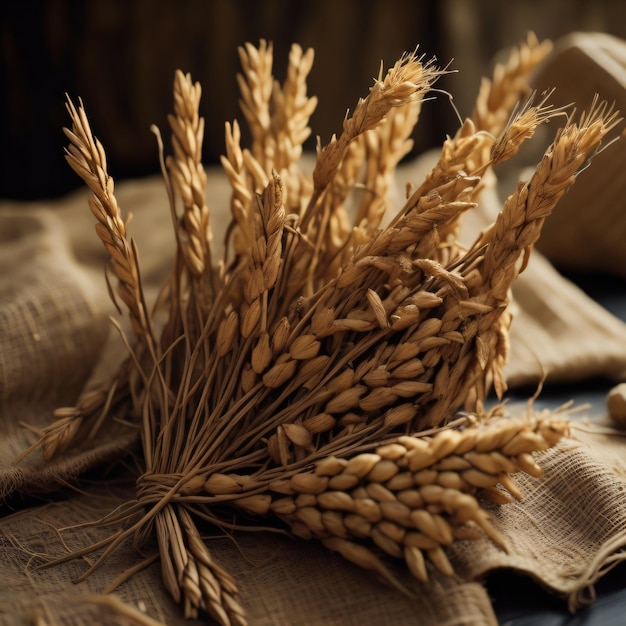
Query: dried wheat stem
<point x="204" y="584"/>
<point x="385" y="146"/>
<point x="86" y="157"/>
<point x="518" y="227"/>
<point x="409" y="79"/>
<point x="241" y="195"/>
<point x="255" y="86"/>
<point x="266" y="230"/>
<point x="189" y="180"/>
<point x="497" y="97"/>
<point x="292" y="109"/>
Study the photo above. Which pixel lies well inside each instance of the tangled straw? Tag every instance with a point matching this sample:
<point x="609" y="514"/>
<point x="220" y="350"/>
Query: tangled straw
<point x="312" y="376"/>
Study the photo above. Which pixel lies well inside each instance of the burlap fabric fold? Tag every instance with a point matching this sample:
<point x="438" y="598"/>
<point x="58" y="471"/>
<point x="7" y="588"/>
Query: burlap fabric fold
<point x="55" y="338"/>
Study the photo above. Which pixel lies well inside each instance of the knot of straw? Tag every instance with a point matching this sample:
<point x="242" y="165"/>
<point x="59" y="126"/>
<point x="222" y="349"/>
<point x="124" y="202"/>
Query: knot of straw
<point x="153" y="487"/>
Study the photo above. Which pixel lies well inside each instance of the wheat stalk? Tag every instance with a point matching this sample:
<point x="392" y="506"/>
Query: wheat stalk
<point x="308" y="380"/>
<point x="87" y="158"/>
<point x="188" y="178"/>
<point x="509" y="83"/>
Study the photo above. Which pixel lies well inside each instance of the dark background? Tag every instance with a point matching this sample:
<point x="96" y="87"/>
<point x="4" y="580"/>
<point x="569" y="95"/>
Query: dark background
<point x="119" y="56"/>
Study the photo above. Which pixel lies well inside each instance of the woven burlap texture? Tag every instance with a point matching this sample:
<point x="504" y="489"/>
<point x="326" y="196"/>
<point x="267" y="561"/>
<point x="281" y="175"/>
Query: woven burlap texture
<point x="55" y="338"/>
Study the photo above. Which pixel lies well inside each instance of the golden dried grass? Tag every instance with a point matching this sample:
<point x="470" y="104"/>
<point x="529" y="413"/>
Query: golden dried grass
<point x="301" y="379"/>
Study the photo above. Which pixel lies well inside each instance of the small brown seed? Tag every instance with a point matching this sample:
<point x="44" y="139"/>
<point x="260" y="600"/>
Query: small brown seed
<point x="368" y="509"/>
<point x="322" y="320"/>
<point x="333" y="521"/>
<point x="248" y="378"/>
<point x="391" y="451"/>
<point x="411" y="388"/>
<point x="281" y="485"/>
<point x="525" y="441"/>
<point x="304" y="347"/>
<point x="411" y="497"/>
<point x="308" y="483"/>
<point x="378" y="308"/>
<point x="496" y="495"/>
<point x="346" y="399"/>
<point x="434" y="526"/>
<point x="218" y="484"/>
<point x="319" y="423"/>
<point x="261" y="354"/>
<point x="357" y="525"/>
<point x="419" y="540"/>
<point x="330" y="466"/>
<point x="527" y="463"/>
<point x="399" y="415"/>
<point x="343" y="481"/>
<point x="383" y="471"/>
<point x="379" y="493"/>
<point x="280" y="335"/>
<point x="392" y="530"/>
<point x="311" y="372"/>
<point x="250" y="318"/>
<point x="428" y="328"/>
<point x="445" y="442"/>
<point x="357" y="554"/>
<point x="415" y="561"/>
<point x="255" y="285"/>
<point x="377" y="399"/>
<point x="303" y="500"/>
<point x="431" y="493"/>
<point x="396" y="512"/>
<point x="279" y="374"/>
<point x="404" y="351"/>
<point x="226" y="333"/>
<point x="298" y="434"/>
<point x="336" y="500"/>
<point x="507" y="482"/>
<point x="418" y="459"/>
<point x="385" y="543"/>
<point x="351" y="418"/>
<point x="425" y="477"/>
<point x="312" y="518"/>
<point x="467" y="442"/>
<point x="193" y="486"/>
<point x="283" y="446"/>
<point x="283" y="506"/>
<point x="452" y="480"/>
<point x="377" y="377"/>
<point x="258" y="504"/>
<point x="452" y="463"/>
<point x="408" y="369"/>
<point x="440" y="560"/>
<point x="477" y="478"/>
<point x="362" y="464"/>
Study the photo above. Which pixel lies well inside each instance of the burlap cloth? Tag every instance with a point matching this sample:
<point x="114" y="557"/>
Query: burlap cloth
<point x="55" y="338"/>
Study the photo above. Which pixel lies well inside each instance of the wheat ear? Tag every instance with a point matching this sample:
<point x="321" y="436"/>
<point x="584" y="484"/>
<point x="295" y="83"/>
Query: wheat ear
<point x="189" y="179"/>
<point x="86" y="157"/>
<point x="408" y="498"/>
<point x="497" y="97"/>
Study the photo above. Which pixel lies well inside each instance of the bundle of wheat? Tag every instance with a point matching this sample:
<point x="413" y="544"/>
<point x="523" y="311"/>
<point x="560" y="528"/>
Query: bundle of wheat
<point x="313" y="375"/>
